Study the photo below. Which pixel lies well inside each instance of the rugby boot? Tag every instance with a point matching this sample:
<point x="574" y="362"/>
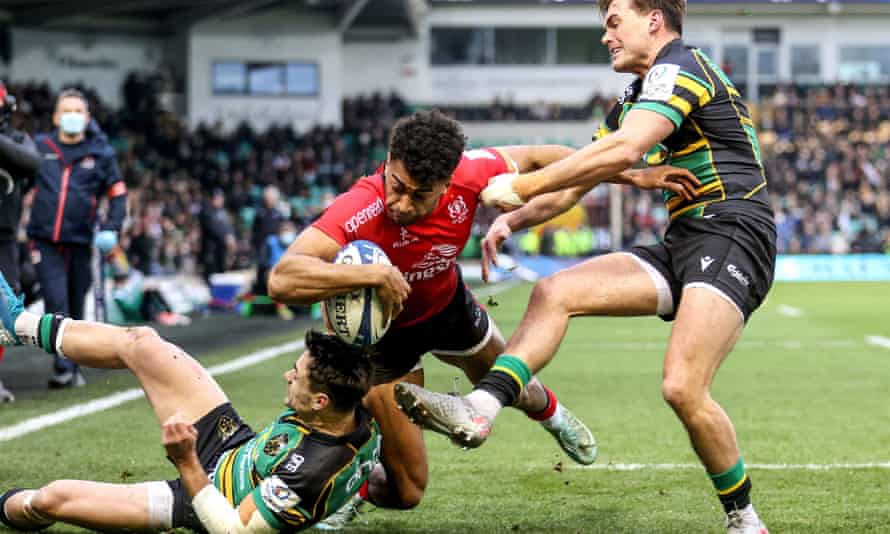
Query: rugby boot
<point x="449" y="415"/>
<point x="745" y="521"/>
<point x="10" y="308"/>
<point x="573" y="437"/>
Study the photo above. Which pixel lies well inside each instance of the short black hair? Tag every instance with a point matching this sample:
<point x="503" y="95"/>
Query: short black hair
<point x="429" y="144"/>
<point x="73" y="93"/>
<point x="341" y="370"/>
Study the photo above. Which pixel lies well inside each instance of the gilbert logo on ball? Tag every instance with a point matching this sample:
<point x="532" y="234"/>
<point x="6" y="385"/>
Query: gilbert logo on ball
<point x="357" y="316"/>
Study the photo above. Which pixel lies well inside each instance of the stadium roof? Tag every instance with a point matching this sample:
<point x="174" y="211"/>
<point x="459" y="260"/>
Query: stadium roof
<point x="170" y="16"/>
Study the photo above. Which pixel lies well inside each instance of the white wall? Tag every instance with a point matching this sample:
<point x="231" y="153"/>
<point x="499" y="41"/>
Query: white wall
<point x="285" y="35"/>
<point x="99" y="60"/>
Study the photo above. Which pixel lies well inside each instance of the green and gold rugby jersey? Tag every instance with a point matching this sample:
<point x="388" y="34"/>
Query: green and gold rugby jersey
<point x="298" y="476"/>
<point x="713" y="137"/>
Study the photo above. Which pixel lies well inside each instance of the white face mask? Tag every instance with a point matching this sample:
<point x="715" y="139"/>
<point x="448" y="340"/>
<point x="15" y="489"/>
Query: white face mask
<point x="73" y="123"/>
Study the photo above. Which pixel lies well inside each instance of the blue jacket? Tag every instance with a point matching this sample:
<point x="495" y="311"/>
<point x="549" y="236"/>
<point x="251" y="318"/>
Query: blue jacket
<point x="69" y="183"/>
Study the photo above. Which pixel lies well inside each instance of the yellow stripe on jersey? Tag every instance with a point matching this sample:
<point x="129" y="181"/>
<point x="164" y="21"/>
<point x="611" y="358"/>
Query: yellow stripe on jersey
<point x="701" y="143"/>
<point x="602" y="132"/>
<point x="694" y="87"/>
<point x="228" y="484"/>
<point x="755" y="190"/>
<point x="707" y="188"/>
<point x="681" y="104"/>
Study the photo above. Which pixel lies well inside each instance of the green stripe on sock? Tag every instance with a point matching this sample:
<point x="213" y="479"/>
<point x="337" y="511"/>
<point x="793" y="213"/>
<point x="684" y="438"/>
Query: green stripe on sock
<point x="729" y="479"/>
<point x="514" y="367"/>
<point x="46" y="328"/>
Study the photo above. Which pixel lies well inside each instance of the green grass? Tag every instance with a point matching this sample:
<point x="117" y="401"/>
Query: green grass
<point x="799" y="390"/>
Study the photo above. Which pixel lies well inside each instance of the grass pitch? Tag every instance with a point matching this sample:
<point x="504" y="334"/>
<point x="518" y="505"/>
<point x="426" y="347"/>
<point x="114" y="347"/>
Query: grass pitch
<point x="806" y="388"/>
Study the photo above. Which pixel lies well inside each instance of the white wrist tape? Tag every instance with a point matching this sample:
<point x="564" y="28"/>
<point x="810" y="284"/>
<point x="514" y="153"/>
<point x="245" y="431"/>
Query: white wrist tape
<point x="218" y="516"/>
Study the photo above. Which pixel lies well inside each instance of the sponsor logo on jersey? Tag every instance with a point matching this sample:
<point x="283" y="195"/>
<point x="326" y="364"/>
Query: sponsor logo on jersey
<point x="275" y="445"/>
<point x="293" y="463"/>
<point x="439" y="259"/>
<point x="405" y="238"/>
<point x="226" y="427"/>
<point x="706" y="262"/>
<point x="364" y="215"/>
<point x="88" y="163"/>
<point x="659" y="83"/>
<point x="738" y="275"/>
<point x="277" y="495"/>
<point x="458" y="210"/>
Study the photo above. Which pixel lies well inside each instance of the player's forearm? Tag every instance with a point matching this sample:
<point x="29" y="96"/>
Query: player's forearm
<point x="543" y="208"/>
<point x="545" y="155"/>
<point x="623" y="177"/>
<point x="587" y="167"/>
<point x="302" y="279"/>
<point x="194" y="479"/>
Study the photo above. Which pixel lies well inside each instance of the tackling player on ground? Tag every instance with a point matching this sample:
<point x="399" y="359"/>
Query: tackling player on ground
<point x="712" y="271"/>
<point x="419" y="209"/>
<point x="300" y="468"/>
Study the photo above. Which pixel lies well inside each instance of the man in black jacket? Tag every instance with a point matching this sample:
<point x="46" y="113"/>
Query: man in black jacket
<point x="18" y="164"/>
<point x="78" y="167"/>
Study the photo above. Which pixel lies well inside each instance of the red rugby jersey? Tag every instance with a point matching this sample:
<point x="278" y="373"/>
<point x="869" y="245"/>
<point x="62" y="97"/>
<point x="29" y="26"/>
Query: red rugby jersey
<point x="425" y="252"/>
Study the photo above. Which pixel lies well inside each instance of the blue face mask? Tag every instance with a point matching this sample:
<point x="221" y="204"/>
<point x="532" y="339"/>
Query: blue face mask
<point x="73" y="123"/>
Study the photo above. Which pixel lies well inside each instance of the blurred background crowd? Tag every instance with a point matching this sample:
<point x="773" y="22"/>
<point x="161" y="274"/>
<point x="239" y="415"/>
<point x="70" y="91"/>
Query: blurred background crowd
<point x="203" y="201"/>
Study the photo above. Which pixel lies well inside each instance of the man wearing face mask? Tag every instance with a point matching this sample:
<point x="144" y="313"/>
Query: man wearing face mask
<point x="273" y="247"/>
<point x="18" y="163"/>
<point x="78" y="167"/>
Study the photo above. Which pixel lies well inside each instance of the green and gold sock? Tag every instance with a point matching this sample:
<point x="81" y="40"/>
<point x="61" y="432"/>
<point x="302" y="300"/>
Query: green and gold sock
<point x="505" y="379"/>
<point x="733" y="487"/>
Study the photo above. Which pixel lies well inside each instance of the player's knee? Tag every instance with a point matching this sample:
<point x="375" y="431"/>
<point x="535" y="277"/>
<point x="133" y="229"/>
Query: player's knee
<point x="684" y="397"/>
<point x="411" y="493"/>
<point x="50" y="499"/>
<point x="547" y="291"/>
<point x="404" y="491"/>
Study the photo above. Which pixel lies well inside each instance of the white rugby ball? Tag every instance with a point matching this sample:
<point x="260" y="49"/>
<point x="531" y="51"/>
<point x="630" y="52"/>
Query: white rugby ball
<point x="357" y="317"/>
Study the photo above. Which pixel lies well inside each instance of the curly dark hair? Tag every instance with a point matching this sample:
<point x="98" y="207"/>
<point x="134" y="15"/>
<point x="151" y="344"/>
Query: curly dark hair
<point x="429" y="144"/>
<point x="341" y="370"/>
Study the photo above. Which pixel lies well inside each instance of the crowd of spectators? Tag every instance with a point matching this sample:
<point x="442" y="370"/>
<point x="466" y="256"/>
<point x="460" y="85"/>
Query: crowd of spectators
<point x="196" y="193"/>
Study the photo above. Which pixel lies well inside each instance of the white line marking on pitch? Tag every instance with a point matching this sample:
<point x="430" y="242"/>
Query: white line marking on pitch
<point x="790" y="311"/>
<point x="878" y="341"/>
<point x="766" y="467"/>
<point x="116" y="399"/>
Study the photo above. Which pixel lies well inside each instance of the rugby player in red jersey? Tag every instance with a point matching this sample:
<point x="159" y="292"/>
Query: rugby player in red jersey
<point x="419" y="209"/>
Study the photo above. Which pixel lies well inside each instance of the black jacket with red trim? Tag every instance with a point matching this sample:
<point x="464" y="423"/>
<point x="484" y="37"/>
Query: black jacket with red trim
<point x="69" y="183"/>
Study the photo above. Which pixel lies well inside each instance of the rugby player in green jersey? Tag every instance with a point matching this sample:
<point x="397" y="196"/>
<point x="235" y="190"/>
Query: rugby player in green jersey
<point x="712" y="270"/>
<point x="297" y="470"/>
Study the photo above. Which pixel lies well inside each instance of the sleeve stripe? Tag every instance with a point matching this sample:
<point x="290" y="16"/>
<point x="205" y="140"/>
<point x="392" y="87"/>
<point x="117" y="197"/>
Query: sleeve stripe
<point x="662" y="109"/>
<point x="681" y="104"/>
<point x="700" y="91"/>
<point x="707" y="86"/>
<point x="602" y="132"/>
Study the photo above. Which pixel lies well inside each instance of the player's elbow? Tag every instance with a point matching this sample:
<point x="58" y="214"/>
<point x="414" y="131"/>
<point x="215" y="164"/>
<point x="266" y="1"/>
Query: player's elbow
<point x="281" y="288"/>
<point x="627" y="153"/>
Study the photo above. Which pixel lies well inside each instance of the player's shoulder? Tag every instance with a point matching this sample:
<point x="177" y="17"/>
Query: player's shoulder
<point x="481" y="163"/>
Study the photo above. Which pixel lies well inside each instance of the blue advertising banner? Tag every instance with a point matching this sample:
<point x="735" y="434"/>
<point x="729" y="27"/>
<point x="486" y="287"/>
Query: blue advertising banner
<point x="833" y="268"/>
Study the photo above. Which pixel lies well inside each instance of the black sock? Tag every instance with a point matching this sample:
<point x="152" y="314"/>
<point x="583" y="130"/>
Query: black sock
<point x="739" y="498"/>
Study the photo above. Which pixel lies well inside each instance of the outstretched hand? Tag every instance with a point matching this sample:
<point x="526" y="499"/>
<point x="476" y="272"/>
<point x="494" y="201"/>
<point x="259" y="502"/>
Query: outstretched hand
<point x="674" y="179"/>
<point x="498" y="233"/>
<point x="179" y="438"/>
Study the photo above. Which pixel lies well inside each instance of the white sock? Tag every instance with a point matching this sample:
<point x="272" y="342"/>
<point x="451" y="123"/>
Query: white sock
<point x="555" y="421"/>
<point x="26" y="327"/>
<point x="485" y="403"/>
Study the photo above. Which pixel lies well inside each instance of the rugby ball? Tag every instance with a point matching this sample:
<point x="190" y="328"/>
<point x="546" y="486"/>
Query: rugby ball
<point x="357" y="317"/>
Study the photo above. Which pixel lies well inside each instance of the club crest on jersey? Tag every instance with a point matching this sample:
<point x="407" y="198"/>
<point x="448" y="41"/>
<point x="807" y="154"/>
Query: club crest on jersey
<point x="275" y="445"/>
<point x="226" y="427"/>
<point x="458" y="210"/>
<point x="88" y="163"/>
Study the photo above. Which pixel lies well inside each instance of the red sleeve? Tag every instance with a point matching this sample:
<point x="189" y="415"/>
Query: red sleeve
<point x="342" y="219"/>
<point x="479" y="166"/>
